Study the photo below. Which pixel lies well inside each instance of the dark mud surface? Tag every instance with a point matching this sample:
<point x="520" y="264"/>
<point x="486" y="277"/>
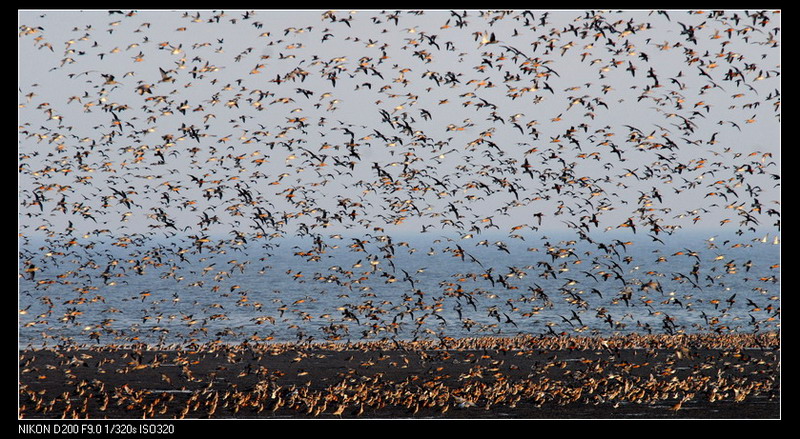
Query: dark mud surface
<point x="656" y="378"/>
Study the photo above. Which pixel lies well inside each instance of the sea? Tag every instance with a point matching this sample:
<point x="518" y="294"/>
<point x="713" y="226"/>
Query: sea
<point x="409" y="287"/>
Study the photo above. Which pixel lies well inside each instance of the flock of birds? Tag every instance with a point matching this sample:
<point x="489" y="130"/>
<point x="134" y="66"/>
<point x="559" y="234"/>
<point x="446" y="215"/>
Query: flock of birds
<point x="468" y="378"/>
<point x="196" y="145"/>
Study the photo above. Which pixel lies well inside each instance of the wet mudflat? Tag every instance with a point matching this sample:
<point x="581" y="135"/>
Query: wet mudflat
<point x="703" y="377"/>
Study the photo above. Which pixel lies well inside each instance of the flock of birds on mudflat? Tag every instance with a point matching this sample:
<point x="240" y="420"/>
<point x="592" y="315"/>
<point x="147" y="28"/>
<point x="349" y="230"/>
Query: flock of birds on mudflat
<point x="153" y="146"/>
<point x="469" y="378"/>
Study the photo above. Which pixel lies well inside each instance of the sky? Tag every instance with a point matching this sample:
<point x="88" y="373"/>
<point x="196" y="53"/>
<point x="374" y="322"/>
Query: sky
<point x="287" y="122"/>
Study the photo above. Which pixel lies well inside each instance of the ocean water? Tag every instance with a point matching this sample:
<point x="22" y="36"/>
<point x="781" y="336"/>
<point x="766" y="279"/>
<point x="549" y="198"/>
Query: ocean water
<point x="424" y="286"/>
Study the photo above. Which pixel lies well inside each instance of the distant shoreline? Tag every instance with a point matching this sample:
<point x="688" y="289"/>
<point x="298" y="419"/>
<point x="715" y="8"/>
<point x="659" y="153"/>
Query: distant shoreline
<point x="709" y="340"/>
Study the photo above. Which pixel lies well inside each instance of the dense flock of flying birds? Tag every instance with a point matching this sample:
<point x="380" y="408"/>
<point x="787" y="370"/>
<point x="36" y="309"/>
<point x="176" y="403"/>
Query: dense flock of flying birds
<point x="154" y="141"/>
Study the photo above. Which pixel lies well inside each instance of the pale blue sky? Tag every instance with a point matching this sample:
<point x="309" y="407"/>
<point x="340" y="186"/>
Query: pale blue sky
<point x="458" y="132"/>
